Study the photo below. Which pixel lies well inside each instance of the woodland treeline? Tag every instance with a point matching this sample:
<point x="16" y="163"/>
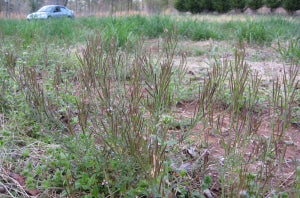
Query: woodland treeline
<point x="89" y="7"/>
<point x="21" y="7"/>
<point x="223" y="6"/>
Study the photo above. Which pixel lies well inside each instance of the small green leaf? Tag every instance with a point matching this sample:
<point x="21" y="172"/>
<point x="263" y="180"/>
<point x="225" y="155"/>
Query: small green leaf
<point x="86" y="186"/>
<point x="77" y="185"/>
<point x="45" y="184"/>
<point x="25" y="152"/>
<point x="95" y="191"/>
<point x="207" y="180"/>
<point x="171" y="142"/>
<point x="38" y="170"/>
<point x="144" y="184"/>
<point x="29" y="181"/>
<point x="204" y="187"/>
<point x="284" y="195"/>
<point x="182" y="173"/>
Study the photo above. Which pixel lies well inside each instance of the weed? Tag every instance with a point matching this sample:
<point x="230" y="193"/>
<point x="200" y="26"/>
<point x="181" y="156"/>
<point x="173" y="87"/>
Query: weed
<point x="291" y="51"/>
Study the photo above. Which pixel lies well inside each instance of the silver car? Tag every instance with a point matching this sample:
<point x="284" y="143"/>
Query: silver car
<point x="51" y="11"/>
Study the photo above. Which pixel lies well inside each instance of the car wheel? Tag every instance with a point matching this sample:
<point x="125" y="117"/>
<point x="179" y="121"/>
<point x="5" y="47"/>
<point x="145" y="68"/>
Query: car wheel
<point x="49" y="17"/>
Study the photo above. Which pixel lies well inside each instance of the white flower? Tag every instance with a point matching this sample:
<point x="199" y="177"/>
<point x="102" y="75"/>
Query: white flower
<point x="104" y="182"/>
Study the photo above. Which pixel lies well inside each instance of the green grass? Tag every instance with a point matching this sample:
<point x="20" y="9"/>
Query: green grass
<point x="259" y="30"/>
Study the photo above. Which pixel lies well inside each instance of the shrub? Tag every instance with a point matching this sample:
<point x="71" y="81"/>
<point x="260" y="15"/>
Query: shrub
<point x="273" y="4"/>
<point x="180" y="6"/>
<point x="194" y="6"/>
<point x="238" y="4"/>
<point x="254" y="4"/>
<point x="207" y="5"/>
<point x="291" y="5"/>
<point x="221" y="6"/>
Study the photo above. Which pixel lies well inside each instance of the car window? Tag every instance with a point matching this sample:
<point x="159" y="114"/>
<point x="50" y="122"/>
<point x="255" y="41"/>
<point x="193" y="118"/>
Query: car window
<point x="63" y="9"/>
<point x="57" y="9"/>
<point x="46" y="9"/>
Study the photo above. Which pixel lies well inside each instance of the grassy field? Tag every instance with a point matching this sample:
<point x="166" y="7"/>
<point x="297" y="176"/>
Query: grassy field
<point x="150" y="106"/>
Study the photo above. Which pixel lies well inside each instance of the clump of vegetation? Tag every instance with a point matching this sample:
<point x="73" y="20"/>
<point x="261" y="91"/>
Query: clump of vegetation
<point x="291" y="52"/>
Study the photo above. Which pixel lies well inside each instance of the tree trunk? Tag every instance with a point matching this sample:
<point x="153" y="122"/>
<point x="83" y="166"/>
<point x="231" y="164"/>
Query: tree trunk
<point x="112" y="7"/>
<point x="100" y="5"/>
<point x="0" y="7"/>
<point x="66" y="2"/>
<point x="128" y="1"/>
<point x="76" y="5"/>
<point x="8" y="9"/>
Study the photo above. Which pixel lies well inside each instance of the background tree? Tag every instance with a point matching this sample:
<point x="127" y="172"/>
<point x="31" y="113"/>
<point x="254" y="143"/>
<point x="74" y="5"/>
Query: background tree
<point x="238" y="4"/>
<point x="291" y="5"/>
<point x="193" y="6"/>
<point x="207" y="5"/>
<point x="35" y="5"/>
<point x="273" y="4"/>
<point x="8" y="7"/>
<point x="1" y="6"/>
<point x="221" y="6"/>
<point x="254" y="4"/>
<point x="180" y="6"/>
<point x="66" y="3"/>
